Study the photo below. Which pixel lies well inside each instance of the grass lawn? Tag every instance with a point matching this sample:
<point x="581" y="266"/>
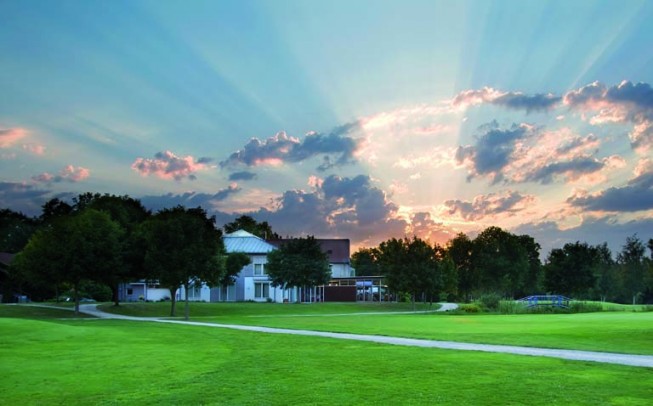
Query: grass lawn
<point x="51" y="361"/>
<point x="624" y="331"/>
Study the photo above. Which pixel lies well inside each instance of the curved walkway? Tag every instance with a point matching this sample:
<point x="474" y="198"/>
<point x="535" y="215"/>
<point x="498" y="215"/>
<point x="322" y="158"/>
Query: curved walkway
<point x="575" y="355"/>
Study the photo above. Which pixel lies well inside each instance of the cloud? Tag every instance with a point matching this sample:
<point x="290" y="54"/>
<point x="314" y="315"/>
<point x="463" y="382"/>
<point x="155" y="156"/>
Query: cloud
<point x="337" y="148"/>
<point x="167" y="165"/>
<point x="626" y="102"/>
<point x="10" y="136"/>
<point x="69" y="173"/>
<point x="22" y="197"/>
<point x="636" y="195"/>
<point x="572" y="169"/>
<point x="512" y="100"/>
<point x="492" y="151"/>
<point x="509" y="202"/>
<point x="242" y="175"/>
<point x="190" y="199"/>
<point x="35" y="149"/>
<point x="593" y="230"/>
<point x="424" y="226"/>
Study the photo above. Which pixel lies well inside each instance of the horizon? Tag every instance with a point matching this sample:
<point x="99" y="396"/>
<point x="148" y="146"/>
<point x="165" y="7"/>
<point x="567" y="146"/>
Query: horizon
<point x="363" y="120"/>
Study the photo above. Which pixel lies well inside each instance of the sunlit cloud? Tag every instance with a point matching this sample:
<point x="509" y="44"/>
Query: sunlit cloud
<point x="624" y="103"/>
<point x="35" y="149"/>
<point x="337" y="149"/>
<point x="167" y="165"/>
<point x="10" y="136"/>
<point x="512" y="100"/>
<point x="69" y="173"/>
<point x="507" y="203"/>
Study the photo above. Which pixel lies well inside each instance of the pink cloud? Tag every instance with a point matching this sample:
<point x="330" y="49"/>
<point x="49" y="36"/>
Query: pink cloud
<point x="167" y="165"/>
<point x="10" y="136"/>
<point x="493" y="204"/>
<point x="69" y="173"/>
<point x="35" y="149"/>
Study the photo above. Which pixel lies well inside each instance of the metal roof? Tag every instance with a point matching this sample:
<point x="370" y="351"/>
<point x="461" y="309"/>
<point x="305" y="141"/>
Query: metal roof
<point x="242" y="241"/>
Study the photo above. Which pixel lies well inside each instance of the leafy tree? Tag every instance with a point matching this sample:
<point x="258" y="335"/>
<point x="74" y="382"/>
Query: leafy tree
<point x="15" y="230"/>
<point x="632" y="265"/>
<point x="298" y="263"/>
<point x="128" y="213"/>
<point x="365" y="263"/>
<point x="182" y="248"/>
<point x="234" y="264"/>
<point x="410" y="266"/>
<point x="502" y="262"/>
<point x="460" y="250"/>
<point x="53" y="209"/>
<point x="571" y="270"/>
<point x="608" y="283"/>
<point x="247" y="223"/>
<point x="72" y="249"/>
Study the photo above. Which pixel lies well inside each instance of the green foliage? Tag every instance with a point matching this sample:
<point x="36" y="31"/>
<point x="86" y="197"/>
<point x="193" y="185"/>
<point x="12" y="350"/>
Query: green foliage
<point x="411" y="266"/>
<point x="247" y="223"/>
<point x="234" y="264"/>
<point x="182" y="248"/>
<point x="298" y="262"/>
<point x="571" y="270"/>
<point x="364" y="261"/>
<point x="585" y="307"/>
<point x="632" y="267"/>
<point x="490" y="301"/>
<point x="470" y="308"/>
<point x="72" y="249"/>
<point x="15" y="230"/>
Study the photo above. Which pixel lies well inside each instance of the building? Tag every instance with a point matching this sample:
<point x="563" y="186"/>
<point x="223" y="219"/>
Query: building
<point x="252" y="283"/>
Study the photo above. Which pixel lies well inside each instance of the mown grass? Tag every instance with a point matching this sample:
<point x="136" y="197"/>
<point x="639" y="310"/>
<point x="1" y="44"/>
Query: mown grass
<point x="51" y="361"/>
<point x="617" y="331"/>
<point x="244" y="309"/>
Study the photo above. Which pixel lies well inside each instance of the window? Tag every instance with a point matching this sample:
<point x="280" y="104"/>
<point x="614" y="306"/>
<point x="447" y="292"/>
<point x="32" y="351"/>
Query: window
<point x="259" y="269"/>
<point x="261" y="290"/>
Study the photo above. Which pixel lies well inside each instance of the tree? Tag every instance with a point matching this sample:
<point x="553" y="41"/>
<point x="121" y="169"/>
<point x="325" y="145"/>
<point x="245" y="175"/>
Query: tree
<point x="365" y="263"/>
<point x="128" y="213"/>
<point x="72" y="249"/>
<point x="15" y="230"/>
<point x="298" y="263"/>
<point x="247" y="223"/>
<point x="182" y="248"/>
<point x="460" y="250"/>
<point x="234" y="264"/>
<point x="571" y="270"/>
<point x="632" y="266"/>
<point x="608" y="283"/>
<point x="502" y="262"/>
<point x="410" y="266"/>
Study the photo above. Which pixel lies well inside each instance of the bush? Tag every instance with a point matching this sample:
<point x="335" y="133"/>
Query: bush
<point x="584" y="307"/>
<point x="470" y="308"/>
<point x="490" y="301"/>
<point x="512" y="307"/>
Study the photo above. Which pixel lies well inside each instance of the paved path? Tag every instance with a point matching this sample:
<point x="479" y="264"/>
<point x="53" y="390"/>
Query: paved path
<point x="575" y="355"/>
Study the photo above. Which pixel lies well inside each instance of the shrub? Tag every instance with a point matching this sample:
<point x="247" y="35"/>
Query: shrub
<point x="512" y="307"/>
<point x="584" y="307"/>
<point x="490" y="301"/>
<point x="470" y="308"/>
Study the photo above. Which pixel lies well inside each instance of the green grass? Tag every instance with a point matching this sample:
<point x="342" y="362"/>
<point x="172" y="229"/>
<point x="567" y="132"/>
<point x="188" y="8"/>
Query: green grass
<point x="51" y="361"/>
<point x="616" y="331"/>
<point x="244" y="309"/>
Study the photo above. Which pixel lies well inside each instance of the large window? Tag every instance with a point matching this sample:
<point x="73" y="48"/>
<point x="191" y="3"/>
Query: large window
<point x="259" y="269"/>
<point x="261" y="290"/>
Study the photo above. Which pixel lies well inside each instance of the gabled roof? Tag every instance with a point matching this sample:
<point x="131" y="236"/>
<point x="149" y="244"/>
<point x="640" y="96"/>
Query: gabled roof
<point x="242" y="241"/>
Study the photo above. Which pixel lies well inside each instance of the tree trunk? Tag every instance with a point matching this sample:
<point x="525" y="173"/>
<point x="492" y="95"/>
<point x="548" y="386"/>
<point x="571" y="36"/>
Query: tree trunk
<point x="173" y="301"/>
<point x="76" y="297"/>
<point x="114" y="295"/>
<point x="187" y="306"/>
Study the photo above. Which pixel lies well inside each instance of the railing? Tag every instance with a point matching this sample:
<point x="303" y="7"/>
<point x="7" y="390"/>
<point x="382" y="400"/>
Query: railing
<point x="546" y="300"/>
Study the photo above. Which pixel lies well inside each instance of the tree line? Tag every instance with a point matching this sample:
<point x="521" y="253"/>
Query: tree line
<point x="501" y="263"/>
<point x="100" y="241"/>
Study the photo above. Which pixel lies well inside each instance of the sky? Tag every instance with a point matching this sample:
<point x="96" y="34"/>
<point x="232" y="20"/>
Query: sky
<point x="351" y="119"/>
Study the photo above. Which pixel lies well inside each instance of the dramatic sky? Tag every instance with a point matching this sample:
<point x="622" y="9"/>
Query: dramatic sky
<point x="353" y="119"/>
